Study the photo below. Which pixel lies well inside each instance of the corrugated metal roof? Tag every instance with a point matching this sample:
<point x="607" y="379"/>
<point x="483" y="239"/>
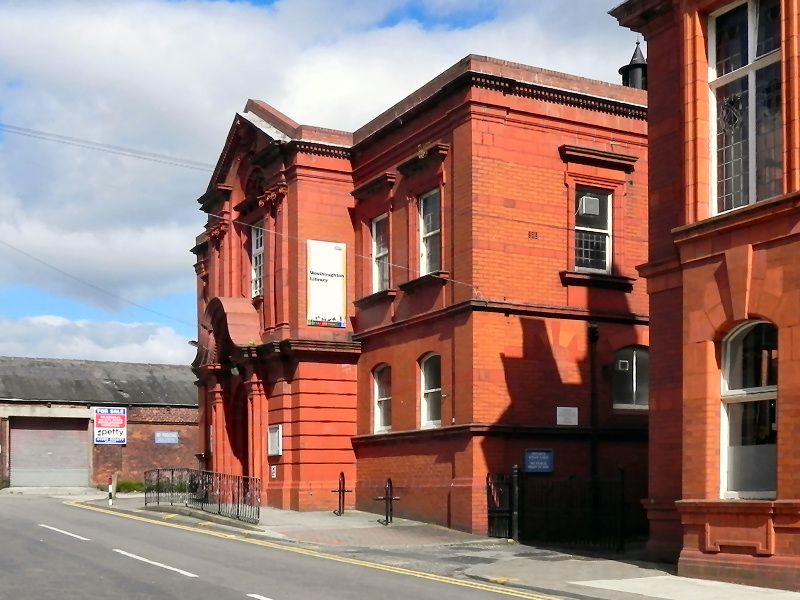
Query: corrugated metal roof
<point x="93" y="382"/>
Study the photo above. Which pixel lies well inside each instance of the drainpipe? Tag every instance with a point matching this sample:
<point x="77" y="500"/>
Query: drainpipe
<point x="593" y="336"/>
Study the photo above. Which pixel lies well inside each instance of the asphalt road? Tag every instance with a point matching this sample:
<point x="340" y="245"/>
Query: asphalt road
<point x="51" y="550"/>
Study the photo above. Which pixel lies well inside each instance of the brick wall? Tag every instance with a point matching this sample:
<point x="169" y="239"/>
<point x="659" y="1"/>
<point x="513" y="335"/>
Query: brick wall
<point x="141" y="453"/>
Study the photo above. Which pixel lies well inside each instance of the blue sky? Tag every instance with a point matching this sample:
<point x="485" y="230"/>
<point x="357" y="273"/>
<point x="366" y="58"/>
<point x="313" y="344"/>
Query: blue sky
<point x="167" y="77"/>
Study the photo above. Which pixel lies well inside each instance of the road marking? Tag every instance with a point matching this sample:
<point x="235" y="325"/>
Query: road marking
<point x="152" y="562"/>
<point x="516" y="593"/>
<point x="80" y="537"/>
<point x="257" y="597"/>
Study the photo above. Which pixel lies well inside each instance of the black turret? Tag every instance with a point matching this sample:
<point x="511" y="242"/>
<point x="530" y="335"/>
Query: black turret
<point x="634" y="74"/>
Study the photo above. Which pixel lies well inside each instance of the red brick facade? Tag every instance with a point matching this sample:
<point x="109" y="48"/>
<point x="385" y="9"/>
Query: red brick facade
<point x="505" y="150"/>
<point x="712" y="272"/>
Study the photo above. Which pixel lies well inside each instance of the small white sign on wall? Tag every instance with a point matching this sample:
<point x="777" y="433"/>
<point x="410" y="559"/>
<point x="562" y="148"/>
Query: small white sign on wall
<point x="566" y="415"/>
<point x="275" y="440"/>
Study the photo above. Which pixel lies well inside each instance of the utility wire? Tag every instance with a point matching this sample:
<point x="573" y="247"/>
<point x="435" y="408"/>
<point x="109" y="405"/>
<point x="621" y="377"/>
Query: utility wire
<point x="93" y="286"/>
<point x="107" y="148"/>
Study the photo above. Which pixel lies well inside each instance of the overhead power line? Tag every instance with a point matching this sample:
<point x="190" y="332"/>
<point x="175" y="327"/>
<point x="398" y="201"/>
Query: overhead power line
<point x="107" y="148"/>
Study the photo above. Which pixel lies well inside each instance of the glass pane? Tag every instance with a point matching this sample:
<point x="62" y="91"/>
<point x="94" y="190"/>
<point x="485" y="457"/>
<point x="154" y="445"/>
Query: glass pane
<point x="433" y="401"/>
<point x="731" y="40"/>
<point x="382" y="273"/>
<point x="433" y="254"/>
<point x="732" y="145"/>
<point x="751" y="454"/>
<point x="385" y="413"/>
<point x="769" y="132"/>
<point x="642" y="396"/>
<point x="759" y="358"/>
<point x="768" y="28"/>
<point x="591" y="209"/>
<point x="432" y="368"/>
<point x="430" y="213"/>
<point x="590" y="250"/>
<point x="383" y="382"/>
<point x="380" y="233"/>
<point x="623" y="377"/>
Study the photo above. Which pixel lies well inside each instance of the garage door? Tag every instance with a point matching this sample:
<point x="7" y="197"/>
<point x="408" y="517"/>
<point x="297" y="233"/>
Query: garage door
<point x="49" y="452"/>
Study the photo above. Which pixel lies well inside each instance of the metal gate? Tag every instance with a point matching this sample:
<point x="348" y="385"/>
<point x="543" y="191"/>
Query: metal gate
<point x="577" y="512"/>
<point x="49" y="452"/>
<point x="500" y="504"/>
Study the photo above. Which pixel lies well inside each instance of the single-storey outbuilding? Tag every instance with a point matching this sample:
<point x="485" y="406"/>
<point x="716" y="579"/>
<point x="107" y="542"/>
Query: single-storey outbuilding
<point x="47" y="420"/>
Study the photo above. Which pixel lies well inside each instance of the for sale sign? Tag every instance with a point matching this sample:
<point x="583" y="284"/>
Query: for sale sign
<point x="110" y="425"/>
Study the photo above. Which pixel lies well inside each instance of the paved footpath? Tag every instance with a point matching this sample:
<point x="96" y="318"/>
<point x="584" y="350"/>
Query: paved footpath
<point x="433" y="549"/>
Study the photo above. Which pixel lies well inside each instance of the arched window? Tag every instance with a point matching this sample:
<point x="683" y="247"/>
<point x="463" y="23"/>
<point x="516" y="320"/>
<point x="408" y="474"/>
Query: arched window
<point x="749" y="423"/>
<point x="382" y="394"/>
<point x="631" y="377"/>
<point x="431" y="380"/>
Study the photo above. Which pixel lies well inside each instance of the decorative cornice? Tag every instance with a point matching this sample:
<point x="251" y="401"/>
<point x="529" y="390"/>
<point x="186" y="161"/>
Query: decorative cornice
<point x="318" y="149"/>
<point x="512" y="87"/>
<point x="213" y="197"/>
<point x="597" y="158"/>
<point x="301" y="346"/>
<point x="486" y="430"/>
<point x="508" y="308"/>
<point x="384" y="181"/>
<point x="427" y="156"/>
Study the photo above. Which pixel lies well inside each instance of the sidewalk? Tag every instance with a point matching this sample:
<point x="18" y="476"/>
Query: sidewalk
<point x="433" y="549"/>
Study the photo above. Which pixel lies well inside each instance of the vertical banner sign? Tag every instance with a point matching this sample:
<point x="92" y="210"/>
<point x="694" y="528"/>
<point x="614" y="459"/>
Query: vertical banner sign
<point x="327" y="284"/>
<point x="110" y="425"/>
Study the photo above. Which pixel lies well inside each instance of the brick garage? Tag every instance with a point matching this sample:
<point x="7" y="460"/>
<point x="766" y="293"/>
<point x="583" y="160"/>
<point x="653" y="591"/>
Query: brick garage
<point x="46" y="420"/>
<point x="473" y="183"/>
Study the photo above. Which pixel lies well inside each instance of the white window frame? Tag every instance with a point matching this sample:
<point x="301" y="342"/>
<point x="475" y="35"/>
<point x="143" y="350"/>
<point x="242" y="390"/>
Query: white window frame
<point x="634" y="371"/>
<point x="714" y="82"/>
<point x="738" y="396"/>
<point x="587" y="189"/>
<point x="427" y="390"/>
<point x="424" y="234"/>
<point x="257" y="260"/>
<point x="380" y="400"/>
<point x="380" y="283"/>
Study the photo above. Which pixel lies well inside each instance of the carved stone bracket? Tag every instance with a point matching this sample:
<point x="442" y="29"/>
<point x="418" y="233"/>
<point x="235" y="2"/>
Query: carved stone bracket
<point x="426" y="157"/>
<point x="384" y="181"/>
<point x="273" y="196"/>
<point x="217" y="231"/>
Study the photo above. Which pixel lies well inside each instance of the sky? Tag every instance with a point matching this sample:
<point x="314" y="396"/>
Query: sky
<point x="113" y="114"/>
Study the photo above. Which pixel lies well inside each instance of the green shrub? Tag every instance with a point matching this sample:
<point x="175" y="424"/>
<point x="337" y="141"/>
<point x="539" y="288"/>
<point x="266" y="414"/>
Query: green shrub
<point x="125" y="486"/>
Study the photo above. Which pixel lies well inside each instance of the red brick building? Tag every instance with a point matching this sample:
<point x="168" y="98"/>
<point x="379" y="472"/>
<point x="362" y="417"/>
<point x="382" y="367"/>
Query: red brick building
<point x="724" y="286"/>
<point x="424" y="298"/>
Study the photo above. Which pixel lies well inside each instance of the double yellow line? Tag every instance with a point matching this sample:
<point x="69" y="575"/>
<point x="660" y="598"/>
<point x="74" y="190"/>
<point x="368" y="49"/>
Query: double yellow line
<point x="475" y="585"/>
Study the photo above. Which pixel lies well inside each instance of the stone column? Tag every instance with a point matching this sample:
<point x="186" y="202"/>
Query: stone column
<point x="257" y="426"/>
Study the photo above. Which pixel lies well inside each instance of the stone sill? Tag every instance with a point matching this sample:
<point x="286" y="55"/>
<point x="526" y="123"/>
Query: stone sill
<point x="388" y="294"/>
<point x="597" y="280"/>
<point x="429" y="279"/>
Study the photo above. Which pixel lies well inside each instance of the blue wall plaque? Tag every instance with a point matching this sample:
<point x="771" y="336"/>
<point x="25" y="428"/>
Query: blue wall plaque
<point x="538" y="460"/>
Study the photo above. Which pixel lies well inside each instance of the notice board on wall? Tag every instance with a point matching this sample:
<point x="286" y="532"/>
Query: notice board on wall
<point x="326" y="299"/>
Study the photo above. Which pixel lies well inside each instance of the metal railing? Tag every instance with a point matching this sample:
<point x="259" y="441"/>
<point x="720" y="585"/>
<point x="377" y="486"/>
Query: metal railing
<point x="231" y="496"/>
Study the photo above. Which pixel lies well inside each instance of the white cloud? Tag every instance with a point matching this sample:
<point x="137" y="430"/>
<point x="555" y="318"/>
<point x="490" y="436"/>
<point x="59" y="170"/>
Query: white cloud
<point x="49" y="336"/>
<point x="167" y="77"/>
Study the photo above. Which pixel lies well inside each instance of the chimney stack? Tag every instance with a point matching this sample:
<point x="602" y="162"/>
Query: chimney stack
<point x="634" y="74"/>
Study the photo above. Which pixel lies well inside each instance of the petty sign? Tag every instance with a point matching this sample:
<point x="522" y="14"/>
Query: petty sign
<point x="110" y="425"/>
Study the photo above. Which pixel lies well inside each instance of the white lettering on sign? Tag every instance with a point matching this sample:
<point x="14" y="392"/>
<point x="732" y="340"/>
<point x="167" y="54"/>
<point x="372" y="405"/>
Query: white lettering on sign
<point x="110" y="425"/>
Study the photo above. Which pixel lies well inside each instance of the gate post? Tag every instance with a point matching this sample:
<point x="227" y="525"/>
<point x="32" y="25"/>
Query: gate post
<point x="515" y="503"/>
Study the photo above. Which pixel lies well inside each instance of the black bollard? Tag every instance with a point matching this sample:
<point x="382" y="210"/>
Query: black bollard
<point x="341" y="491"/>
